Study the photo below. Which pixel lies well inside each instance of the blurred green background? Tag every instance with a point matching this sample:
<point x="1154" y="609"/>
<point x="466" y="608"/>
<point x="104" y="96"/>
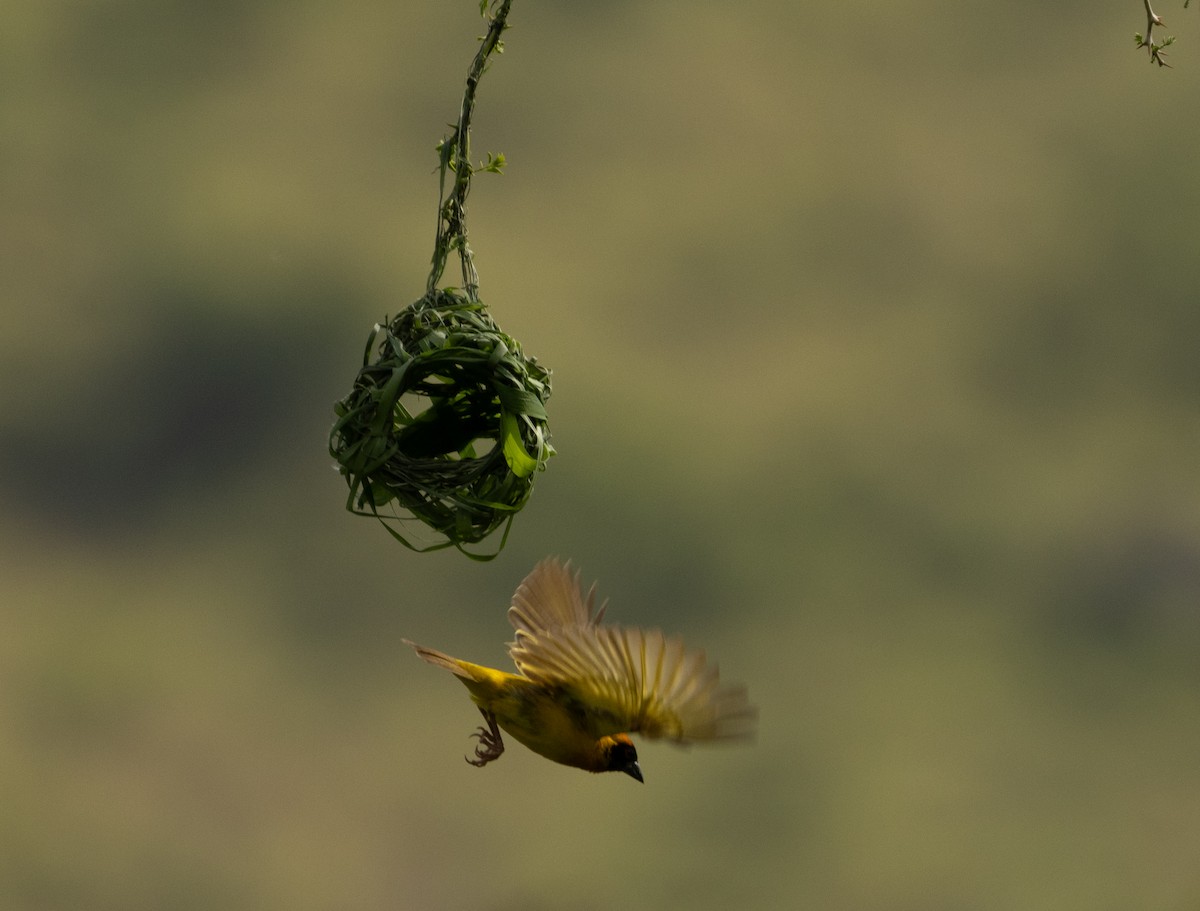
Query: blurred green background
<point x="875" y="337"/>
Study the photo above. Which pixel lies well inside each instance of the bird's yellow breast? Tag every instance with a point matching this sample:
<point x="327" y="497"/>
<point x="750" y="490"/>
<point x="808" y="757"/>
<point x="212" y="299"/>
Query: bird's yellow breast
<point x="536" y="717"/>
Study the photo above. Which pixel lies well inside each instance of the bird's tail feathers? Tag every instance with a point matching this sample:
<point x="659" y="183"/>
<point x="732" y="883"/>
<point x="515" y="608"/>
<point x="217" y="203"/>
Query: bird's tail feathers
<point x="439" y="659"/>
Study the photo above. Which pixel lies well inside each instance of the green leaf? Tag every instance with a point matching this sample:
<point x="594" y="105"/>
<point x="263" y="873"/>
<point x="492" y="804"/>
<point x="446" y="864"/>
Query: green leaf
<point x="495" y="163"/>
<point x="520" y="462"/>
<point x="521" y="401"/>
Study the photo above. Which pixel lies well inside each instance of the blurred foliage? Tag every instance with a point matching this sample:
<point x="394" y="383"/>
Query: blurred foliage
<point x="877" y="380"/>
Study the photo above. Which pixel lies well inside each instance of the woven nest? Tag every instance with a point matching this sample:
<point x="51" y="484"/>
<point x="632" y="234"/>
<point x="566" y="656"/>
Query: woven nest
<point x="447" y="423"/>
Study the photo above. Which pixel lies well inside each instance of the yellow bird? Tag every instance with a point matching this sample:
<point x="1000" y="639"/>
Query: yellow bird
<point x="583" y="686"/>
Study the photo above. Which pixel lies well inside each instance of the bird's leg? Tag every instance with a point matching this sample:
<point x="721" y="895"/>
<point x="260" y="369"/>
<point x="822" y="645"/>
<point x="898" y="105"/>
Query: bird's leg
<point x="490" y="745"/>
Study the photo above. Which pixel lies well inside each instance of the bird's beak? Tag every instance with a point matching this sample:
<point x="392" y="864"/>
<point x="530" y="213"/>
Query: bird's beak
<point x="633" y="770"/>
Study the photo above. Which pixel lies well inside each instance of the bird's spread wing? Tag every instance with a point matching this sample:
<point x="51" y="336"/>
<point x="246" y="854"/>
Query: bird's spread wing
<point x="620" y="678"/>
<point x="628" y="679"/>
<point x="549" y="598"/>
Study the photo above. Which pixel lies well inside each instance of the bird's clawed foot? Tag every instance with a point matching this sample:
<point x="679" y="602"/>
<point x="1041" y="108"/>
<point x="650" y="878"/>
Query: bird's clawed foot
<point x="490" y="744"/>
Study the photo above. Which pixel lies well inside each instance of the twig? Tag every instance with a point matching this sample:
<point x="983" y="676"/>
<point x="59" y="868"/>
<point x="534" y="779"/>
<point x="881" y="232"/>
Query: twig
<point x="1156" y="50"/>
<point x="455" y="155"/>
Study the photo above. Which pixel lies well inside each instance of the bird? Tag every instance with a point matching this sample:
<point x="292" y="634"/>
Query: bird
<point x="582" y="687"/>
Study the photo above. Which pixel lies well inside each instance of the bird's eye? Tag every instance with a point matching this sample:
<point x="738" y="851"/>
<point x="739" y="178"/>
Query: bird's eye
<point x="623" y="752"/>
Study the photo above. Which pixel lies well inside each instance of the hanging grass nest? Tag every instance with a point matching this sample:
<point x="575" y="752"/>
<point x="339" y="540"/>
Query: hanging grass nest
<point x="446" y="423"/>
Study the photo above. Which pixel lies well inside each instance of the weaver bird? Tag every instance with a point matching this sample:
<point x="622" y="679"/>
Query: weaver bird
<point x="583" y="687"/>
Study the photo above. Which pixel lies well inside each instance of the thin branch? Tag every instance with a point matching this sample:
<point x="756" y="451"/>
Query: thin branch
<point x="1156" y="50"/>
<point x="455" y="156"/>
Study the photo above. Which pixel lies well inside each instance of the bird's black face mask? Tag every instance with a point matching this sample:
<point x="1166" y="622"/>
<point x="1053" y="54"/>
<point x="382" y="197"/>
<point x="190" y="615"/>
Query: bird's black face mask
<point x="623" y="758"/>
